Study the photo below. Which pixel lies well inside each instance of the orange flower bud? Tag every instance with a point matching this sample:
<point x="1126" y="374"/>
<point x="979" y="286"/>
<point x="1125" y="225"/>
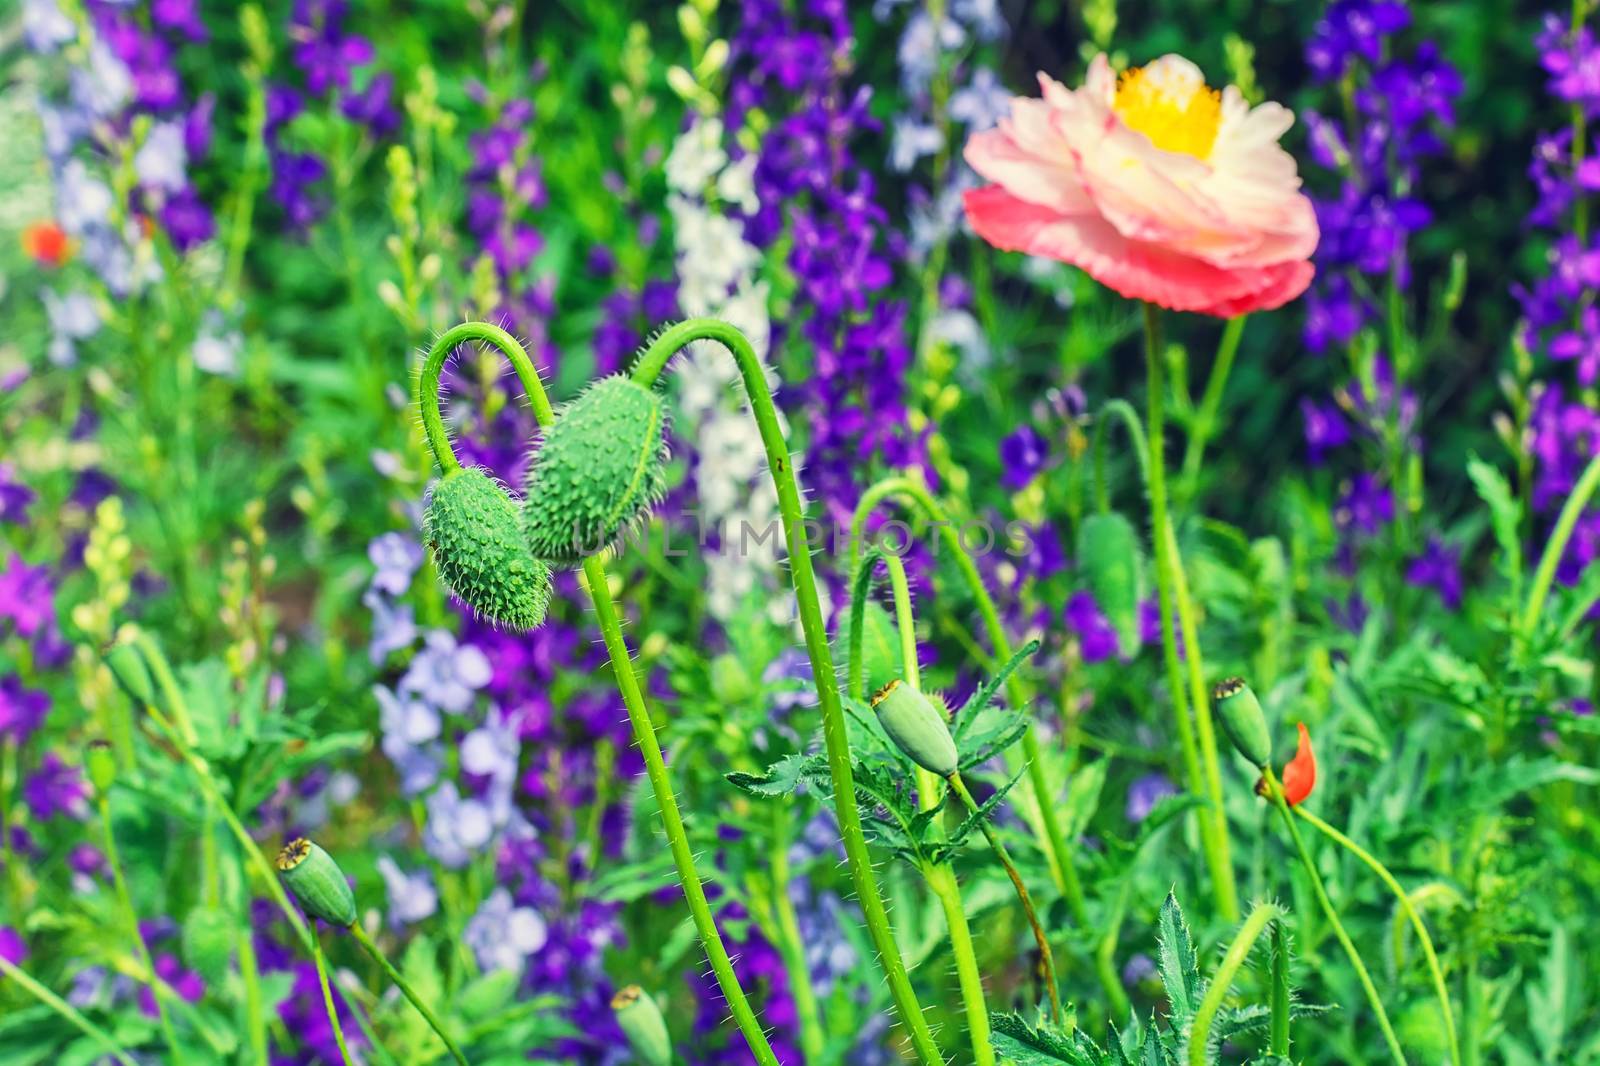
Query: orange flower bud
<point x="1299" y="774"/>
<point x="45" y="242"/>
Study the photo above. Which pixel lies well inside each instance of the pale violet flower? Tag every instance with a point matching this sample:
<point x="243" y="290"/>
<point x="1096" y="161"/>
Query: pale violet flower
<point x="82" y="200"/>
<point x="982" y="102"/>
<point x="63" y="127"/>
<point x="912" y="140"/>
<point x="161" y="161"/>
<point x="491" y="751"/>
<point x="961" y="331"/>
<point x="395" y="557"/>
<point x="394" y="626"/>
<point x="103" y="84"/>
<point x="446" y="674"/>
<point x="412" y="897"/>
<point x="458" y="828"/>
<point x="45" y="25"/>
<point x="696" y="157"/>
<point x="503" y="935"/>
<point x="313" y="811"/>
<point x="216" y="350"/>
<point x="409" y="726"/>
<point x="73" y="318"/>
<point x="983" y="16"/>
<point x="920" y="46"/>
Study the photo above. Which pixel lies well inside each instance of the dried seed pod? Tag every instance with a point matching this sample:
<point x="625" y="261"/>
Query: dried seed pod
<point x="600" y="467"/>
<point x="643" y="1025"/>
<point x="1239" y="713"/>
<point x="917" y="727"/>
<point x="1109" y="555"/>
<point x="475" y="531"/>
<point x="317" y="882"/>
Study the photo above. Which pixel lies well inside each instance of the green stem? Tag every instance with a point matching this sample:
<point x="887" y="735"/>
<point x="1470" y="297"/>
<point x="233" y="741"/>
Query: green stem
<point x="1278" y="1038"/>
<point x="1213" y="826"/>
<point x="405" y="987"/>
<point x="66" y="1010"/>
<point x="1047" y="962"/>
<point x="644" y="732"/>
<point x="1222" y="980"/>
<point x="1205" y="419"/>
<point x="1052" y="838"/>
<point x="835" y="733"/>
<point x="1435" y="971"/>
<point x="813" y="1041"/>
<point x="131" y="917"/>
<point x="1566" y="522"/>
<point x="1124" y="411"/>
<point x="255" y="1016"/>
<point x="1275" y="793"/>
<point x="327" y="996"/>
<point x="859" y="584"/>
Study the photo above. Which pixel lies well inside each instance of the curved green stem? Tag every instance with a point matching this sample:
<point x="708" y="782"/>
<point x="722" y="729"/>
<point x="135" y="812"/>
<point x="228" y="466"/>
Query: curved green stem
<point x="644" y="733"/>
<point x="66" y="1010"/>
<point x="410" y="993"/>
<point x="1205" y="419"/>
<point x="131" y="916"/>
<point x="1052" y="839"/>
<point x="1124" y="412"/>
<point x="1435" y="971"/>
<point x="327" y="997"/>
<point x="855" y="669"/>
<point x="1047" y="962"/>
<point x="1203" y="780"/>
<point x="1222" y="980"/>
<point x="835" y="733"/>
<point x="1278" y="1036"/>
<point x="1571" y="511"/>
<point x="813" y="1039"/>
<point x="1275" y="794"/>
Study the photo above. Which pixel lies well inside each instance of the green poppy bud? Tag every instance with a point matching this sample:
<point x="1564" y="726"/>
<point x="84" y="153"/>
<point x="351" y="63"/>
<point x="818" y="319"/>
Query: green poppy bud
<point x="1240" y="714"/>
<point x="917" y="727"/>
<point x="1109" y="556"/>
<point x="475" y="532"/>
<point x="132" y="675"/>
<point x="101" y="764"/>
<point x="317" y="882"/>
<point x="641" y="1022"/>
<point x="600" y="467"/>
<point x="208" y="934"/>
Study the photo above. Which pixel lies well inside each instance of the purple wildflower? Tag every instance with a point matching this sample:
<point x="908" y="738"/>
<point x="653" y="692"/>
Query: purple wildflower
<point x="55" y="788"/>
<point x="22" y="710"/>
<point x="1097" y="639"/>
<point x="25" y="596"/>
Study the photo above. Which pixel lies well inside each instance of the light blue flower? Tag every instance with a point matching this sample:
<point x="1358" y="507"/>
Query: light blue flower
<point x="162" y="161"/>
<point x="396" y="557"/>
<point x="913" y="140"/>
<point x="394" y="626"/>
<point x="502" y="935"/>
<point x="83" y="201"/>
<point x="447" y="674"/>
<point x="458" y="828"/>
<point x="45" y="25"/>
<point x="982" y="102"/>
<point x="103" y="84"/>
<point x="409" y="726"/>
<point x="412" y="897"/>
<point x="73" y="318"/>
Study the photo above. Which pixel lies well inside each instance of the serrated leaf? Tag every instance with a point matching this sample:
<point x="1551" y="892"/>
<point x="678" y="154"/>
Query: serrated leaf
<point x="781" y="778"/>
<point x="1236" y="1021"/>
<point x="1505" y="515"/>
<point x="973" y="820"/>
<point x="1017" y="1042"/>
<point x="1179" y="966"/>
<point x="986" y="692"/>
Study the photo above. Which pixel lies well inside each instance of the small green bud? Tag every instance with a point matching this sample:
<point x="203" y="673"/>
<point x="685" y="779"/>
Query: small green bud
<point x="475" y="532"/>
<point x="208" y="936"/>
<point x="317" y="882"/>
<point x="132" y="674"/>
<point x="917" y="727"/>
<point x="1240" y="714"/>
<point x="1108" y="553"/>
<point x="599" y="468"/>
<point x="101" y="765"/>
<point x="641" y="1022"/>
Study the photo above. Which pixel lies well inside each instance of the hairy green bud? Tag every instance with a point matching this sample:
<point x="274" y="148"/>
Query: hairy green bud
<point x="1109" y="556"/>
<point x="917" y="727"/>
<point x="641" y="1022"/>
<point x="317" y="882"/>
<point x="1240" y="714"/>
<point x="475" y="532"/>
<point x="131" y="673"/>
<point x="101" y="765"/>
<point x="208" y="936"/>
<point x="600" y="467"/>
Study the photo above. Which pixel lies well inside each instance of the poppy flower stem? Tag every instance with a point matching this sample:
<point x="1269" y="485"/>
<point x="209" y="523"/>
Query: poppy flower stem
<point x="1275" y="793"/>
<point x="401" y="983"/>
<point x="1205" y="417"/>
<point x="1222" y="980"/>
<point x="1278" y="1035"/>
<point x="327" y="993"/>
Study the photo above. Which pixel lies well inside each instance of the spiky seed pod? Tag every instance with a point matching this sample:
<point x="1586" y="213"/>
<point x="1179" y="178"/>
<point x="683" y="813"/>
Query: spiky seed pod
<point x="208" y="936"/>
<point x="917" y="727"/>
<point x="600" y="467"/>
<point x="475" y="532"/>
<point x="101" y="765"/>
<point x="1240" y="714"/>
<point x="641" y="1022"/>
<point x="128" y="669"/>
<point x="317" y="882"/>
<point x="1108" y="553"/>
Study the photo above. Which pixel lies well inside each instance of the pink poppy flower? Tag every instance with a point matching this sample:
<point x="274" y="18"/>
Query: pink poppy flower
<point x="1158" y="186"/>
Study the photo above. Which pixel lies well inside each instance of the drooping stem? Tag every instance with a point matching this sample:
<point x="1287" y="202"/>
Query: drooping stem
<point x="66" y="1010"/>
<point x="941" y="877"/>
<point x="1278" y="1036"/>
<point x="1213" y="826"/>
<point x="1435" y="971"/>
<point x="812" y="1037"/>
<point x="1222" y="980"/>
<point x="410" y="993"/>
<point x="1047" y="962"/>
<point x="803" y="577"/>
<point x="1275" y="795"/>
<point x="1052" y="839"/>
<point x="1124" y="412"/>
<point x="327" y="996"/>
<point x="644" y="733"/>
<point x="1205" y="419"/>
<point x="131" y="917"/>
<point x="1566" y="522"/>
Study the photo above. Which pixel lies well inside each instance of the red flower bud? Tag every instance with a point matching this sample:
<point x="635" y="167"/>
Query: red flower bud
<point x="1299" y="774"/>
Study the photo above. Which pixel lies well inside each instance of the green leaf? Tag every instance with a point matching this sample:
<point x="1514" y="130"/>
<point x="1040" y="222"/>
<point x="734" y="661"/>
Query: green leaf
<point x="1020" y="1044"/>
<point x="938" y="852"/>
<point x="985" y="694"/>
<point x="1505" y="514"/>
<point x="782" y="777"/>
<point x="1180" y="968"/>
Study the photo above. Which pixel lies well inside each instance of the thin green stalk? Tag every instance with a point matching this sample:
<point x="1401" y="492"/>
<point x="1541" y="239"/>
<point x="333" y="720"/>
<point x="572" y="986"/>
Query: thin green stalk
<point x="941" y="878"/>
<point x="255" y="1021"/>
<point x="1052" y="839"/>
<point x="66" y="1010"/>
<point x="1275" y="793"/>
<point x="835" y="734"/>
<point x="327" y="996"/>
<point x="1205" y="419"/>
<point x="1435" y="971"/>
<point x="1278" y="1036"/>
<point x="1566" y="522"/>
<point x="1213" y="826"/>
<point x="1047" y="961"/>
<point x="644" y="733"/>
<point x="1222" y="980"/>
<point x="131" y="917"/>
<point x="813" y="1040"/>
<point x="1123" y="411"/>
<point x="410" y="993"/>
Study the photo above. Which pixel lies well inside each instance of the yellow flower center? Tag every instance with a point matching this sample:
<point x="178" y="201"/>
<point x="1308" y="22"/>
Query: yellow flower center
<point x="1170" y="103"/>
